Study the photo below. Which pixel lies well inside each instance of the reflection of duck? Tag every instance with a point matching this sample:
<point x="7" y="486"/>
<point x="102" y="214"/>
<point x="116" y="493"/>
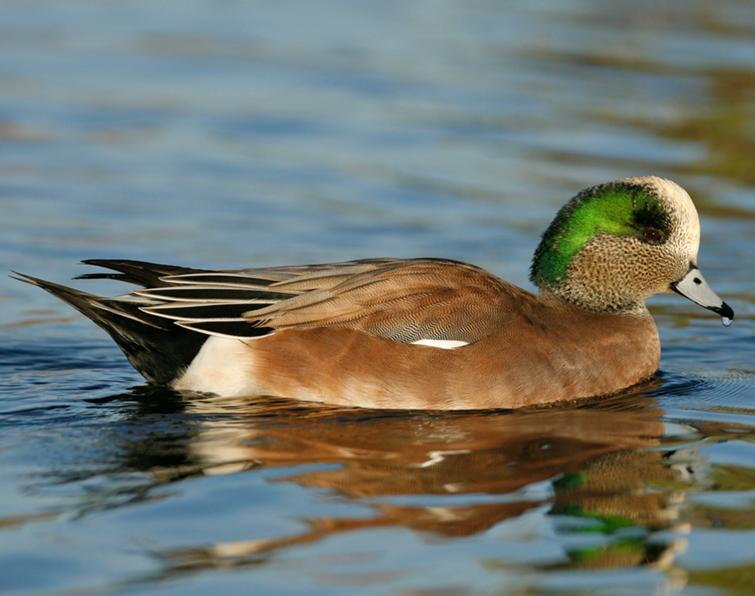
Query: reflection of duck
<point x="452" y="476"/>
<point x="423" y="333"/>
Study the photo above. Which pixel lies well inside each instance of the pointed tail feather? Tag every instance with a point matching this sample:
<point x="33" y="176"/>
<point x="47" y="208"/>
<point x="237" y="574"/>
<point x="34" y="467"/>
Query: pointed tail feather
<point x="140" y="273"/>
<point x="156" y="347"/>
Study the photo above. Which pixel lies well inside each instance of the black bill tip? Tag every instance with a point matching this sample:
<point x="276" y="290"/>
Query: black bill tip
<point x="724" y="310"/>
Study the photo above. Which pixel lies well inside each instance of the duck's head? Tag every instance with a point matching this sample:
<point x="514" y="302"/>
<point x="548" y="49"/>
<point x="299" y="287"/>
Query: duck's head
<point x="614" y="245"/>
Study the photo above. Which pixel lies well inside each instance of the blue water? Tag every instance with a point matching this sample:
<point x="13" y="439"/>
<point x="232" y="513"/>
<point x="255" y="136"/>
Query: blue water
<point x="245" y="134"/>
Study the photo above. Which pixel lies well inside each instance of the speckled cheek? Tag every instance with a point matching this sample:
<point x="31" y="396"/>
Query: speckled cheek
<point x="616" y="273"/>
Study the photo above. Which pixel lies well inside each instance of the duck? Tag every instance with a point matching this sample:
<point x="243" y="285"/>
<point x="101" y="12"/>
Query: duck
<point x="421" y="333"/>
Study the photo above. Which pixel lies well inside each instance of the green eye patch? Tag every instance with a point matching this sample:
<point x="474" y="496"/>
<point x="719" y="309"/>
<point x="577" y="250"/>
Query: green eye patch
<point x="619" y="209"/>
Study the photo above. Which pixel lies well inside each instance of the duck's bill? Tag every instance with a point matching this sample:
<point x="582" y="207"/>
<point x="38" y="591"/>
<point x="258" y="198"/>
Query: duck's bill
<point x="694" y="287"/>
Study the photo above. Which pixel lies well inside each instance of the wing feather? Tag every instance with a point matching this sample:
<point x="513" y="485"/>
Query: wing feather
<point x="402" y="300"/>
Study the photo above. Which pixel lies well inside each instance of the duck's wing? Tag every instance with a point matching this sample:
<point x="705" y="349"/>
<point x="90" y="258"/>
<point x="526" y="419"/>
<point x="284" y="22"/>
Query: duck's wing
<point x="162" y="325"/>
<point x="402" y="300"/>
<point x="155" y="275"/>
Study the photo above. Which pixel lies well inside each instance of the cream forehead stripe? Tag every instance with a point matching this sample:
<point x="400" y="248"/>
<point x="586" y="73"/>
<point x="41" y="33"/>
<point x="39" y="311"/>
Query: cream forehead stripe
<point x="681" y="209"/>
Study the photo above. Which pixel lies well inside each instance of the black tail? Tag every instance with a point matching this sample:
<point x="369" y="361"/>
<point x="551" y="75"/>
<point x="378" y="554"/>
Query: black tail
<point x="156" y="347"/>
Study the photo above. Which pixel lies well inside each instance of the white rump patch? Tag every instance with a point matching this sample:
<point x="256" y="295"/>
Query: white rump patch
<point x="223" y="366"/>
<point x="443" y="344"/>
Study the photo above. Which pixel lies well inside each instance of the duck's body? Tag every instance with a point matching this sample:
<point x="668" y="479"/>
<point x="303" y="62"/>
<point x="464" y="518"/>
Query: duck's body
<point x="523" y="338"/>
<point x="422" y="333"/>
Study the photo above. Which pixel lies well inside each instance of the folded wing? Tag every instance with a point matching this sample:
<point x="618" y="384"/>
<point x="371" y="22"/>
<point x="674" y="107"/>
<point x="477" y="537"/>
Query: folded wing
<point x="401" y="300"/>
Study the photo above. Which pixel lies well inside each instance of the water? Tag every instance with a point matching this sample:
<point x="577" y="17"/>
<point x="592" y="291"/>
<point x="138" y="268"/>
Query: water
<point x="244" y="133"/>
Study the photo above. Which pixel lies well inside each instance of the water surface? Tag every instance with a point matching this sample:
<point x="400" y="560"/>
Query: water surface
<point x="245" y="133"/>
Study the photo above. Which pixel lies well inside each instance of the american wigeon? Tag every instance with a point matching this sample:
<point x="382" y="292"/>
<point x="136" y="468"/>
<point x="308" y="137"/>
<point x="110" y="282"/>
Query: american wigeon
<point x="422" y="333"/>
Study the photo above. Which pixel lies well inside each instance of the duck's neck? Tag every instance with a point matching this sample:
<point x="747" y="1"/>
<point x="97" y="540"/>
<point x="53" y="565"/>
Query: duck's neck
<point x="568" y="300"/>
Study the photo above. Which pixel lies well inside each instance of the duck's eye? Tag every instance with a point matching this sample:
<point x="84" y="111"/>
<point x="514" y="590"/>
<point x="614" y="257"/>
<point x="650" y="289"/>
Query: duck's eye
<point x="653" y="236"/>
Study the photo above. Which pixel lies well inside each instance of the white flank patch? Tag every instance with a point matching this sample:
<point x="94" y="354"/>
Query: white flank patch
<point x="443" y="344"/>
<point x="223" y="366"/>
<point x="437" y="457"/>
